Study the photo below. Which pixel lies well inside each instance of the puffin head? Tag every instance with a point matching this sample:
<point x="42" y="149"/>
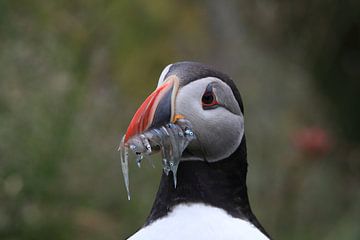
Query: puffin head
<point x="207" y="98"/>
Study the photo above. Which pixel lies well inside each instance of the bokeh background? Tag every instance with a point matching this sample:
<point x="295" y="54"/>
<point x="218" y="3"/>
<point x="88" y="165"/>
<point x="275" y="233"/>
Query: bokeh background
<point x="72" y="73"/>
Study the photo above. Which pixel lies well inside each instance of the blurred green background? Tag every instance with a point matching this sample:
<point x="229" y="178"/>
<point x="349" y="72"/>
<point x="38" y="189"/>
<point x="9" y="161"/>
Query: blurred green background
<point x="72" y="73"/>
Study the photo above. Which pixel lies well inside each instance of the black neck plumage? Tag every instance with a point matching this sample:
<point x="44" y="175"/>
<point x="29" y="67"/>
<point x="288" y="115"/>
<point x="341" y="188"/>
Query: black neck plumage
<point x="220" y="184"/>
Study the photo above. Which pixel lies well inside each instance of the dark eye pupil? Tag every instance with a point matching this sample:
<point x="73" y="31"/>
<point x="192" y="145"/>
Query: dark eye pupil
<point x="207" y="98"/>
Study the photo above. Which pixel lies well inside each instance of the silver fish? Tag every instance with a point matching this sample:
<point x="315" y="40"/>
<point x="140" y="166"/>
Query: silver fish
<point x="171" y="140"/>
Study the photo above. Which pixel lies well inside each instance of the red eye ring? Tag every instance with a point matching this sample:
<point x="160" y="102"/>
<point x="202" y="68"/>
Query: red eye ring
<point x="208" y="99"/>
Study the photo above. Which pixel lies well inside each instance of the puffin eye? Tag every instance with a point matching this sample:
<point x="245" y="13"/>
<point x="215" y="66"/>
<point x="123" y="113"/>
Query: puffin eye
<point x="209" y="99"/>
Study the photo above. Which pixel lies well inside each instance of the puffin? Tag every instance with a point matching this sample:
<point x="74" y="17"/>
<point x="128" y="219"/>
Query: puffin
<point x="210" y="200"/>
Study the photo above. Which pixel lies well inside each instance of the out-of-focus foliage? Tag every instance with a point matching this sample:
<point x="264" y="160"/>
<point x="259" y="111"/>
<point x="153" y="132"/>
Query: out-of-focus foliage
<point x="72" y="73"/>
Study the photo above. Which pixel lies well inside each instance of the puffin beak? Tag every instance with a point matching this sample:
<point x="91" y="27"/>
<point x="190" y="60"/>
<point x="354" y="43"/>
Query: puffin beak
<point x="157" y="110"/>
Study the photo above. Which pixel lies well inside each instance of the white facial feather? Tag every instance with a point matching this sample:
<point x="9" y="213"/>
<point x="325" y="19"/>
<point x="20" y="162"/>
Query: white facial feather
<point x="163" y="74"/>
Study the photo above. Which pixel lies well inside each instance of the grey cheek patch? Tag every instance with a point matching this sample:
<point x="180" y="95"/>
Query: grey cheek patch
<point x="220" y="130"/>
<point x="226" y="98"/>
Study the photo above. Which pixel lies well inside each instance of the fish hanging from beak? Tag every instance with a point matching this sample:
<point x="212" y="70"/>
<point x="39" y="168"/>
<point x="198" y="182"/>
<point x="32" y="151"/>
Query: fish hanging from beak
<point x="155" y="127"/>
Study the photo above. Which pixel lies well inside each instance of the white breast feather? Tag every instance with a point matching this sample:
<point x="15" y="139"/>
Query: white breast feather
<point x="199" y="222"/>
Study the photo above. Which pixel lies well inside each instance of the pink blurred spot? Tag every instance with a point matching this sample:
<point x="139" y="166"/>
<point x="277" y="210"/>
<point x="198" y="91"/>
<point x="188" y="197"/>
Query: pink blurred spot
<point x="314" y="141"/>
